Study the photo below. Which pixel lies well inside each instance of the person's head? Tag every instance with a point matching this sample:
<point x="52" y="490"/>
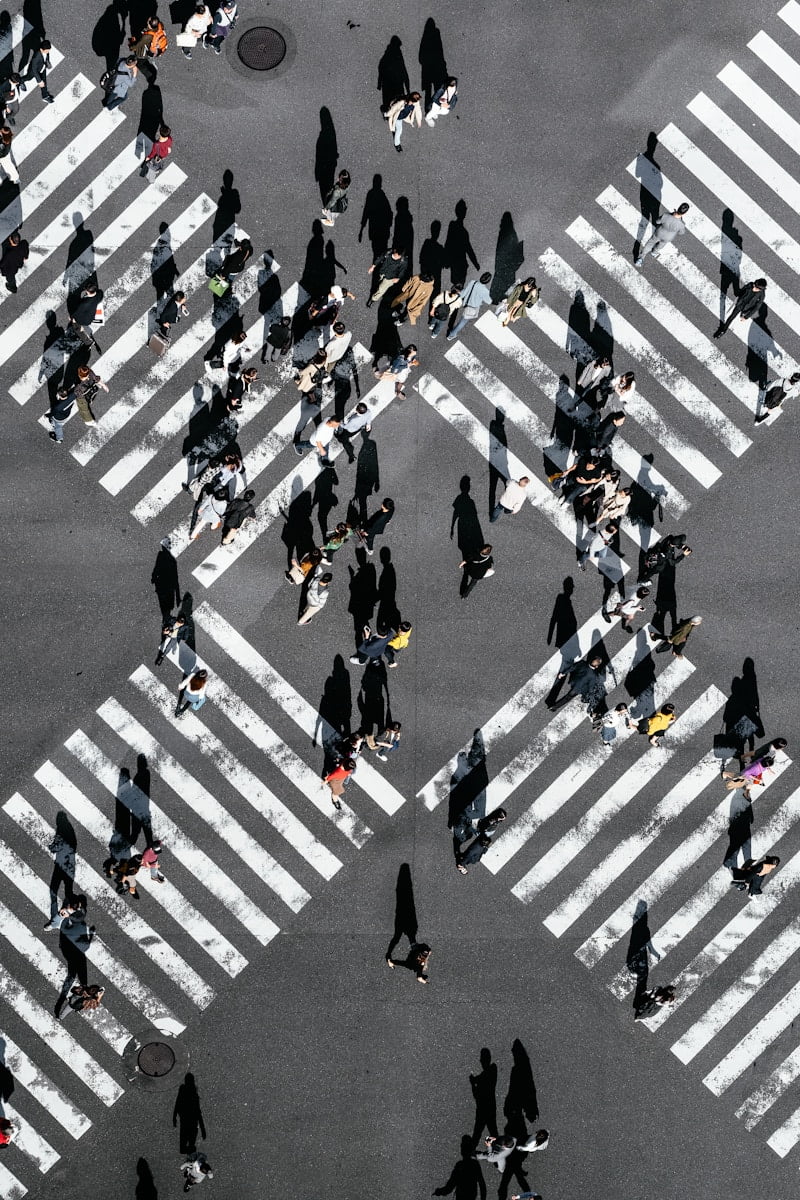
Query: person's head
<point x="409" y="351"/>
<point x="250" y="374"/>
<point x="200" y="677"/>
<point x="248" y="495"/>
<point x="285" y="321"/>
<point x="452" y="81"/>
<point x="397" y="252"/>
<point x="760" y="284"/>
<point x="523" y="481"/>
<point x="668" y="709"/>
<point x="541" y="1137"/>
<point x="487" y="549"/>
<point x="232" y="461"/>
<point x="414" y="97"/>
<point x="529" y="284"/>
<point x="156" y="845"/>
<point x="164" y="132"/>
<point x="239" y="337"/>
<point x="642" y="593"/>
<point x="595" y="661"/>
<point x="83" y="373"/>
<point x="627" y="381"/>
<point x="319" y="358"/>
<point x="666" y="995"/>
<point x="14" y="238"/>
<point x="339" y="328"/>
<point x="621" y="708"/>
<point x="333" y="422"/>
<point x="348" y="763"/>
<point x="406" y="627"/>
<point x="696" y="620"/>
<point x="62" y="393"/>
<point x="326" y="578"/>
<point x="506" y="1141"/>
<point x="221" y="493"/>
<point x="682" y="209"/>
<point x="618" y="417"/>
<point x="90" y="289"/>
<point x="130" y="61"/>
<point x="767" y="761"/>
<point x="362" y="408"/>
<point x="499" y="814"/>
<point x="486" y="277"/>
<point x="779" y="744"/>
<point x="454" y="289"/>
<point x="772" y="860"/>
<point x="6" y="135"/>
<point x="180" y="619"/>
<point x="315" y="556"/>
<point x="395" y="726"/>
<point x="45" y="45"/>
<point x="200" y="10"/>
<point x="795" y="378"/>
<point x="344" y="179"/>
<point x="15" y="77"/>
<point x="387" y="504"/>
<point x="624" y="491"/>
<point x="611" y="528"/>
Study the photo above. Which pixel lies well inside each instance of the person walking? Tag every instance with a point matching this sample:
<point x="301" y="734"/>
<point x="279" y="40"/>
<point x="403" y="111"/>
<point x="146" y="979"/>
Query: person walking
<point x="405" y="111"/>
<point x="656" y="726"/>
<point x="7" y="164"/>
<point x="372" y="646"/>
<point x="478" y="566"/>
<point x="305" y="566"/>
<point x="194" y="687"/>
<point x="309" y="379"/>
<point x="317" y="595"/>
<point x="84" y="313"/>
<point x="235" y="260"/>
<point x="511" y="501"/>
<point x="86" y="388"/>
<point x="195" y="1170"/>
<point x="195" y="28"/>
<point x="615" y="722"/>
<point x="37" y="69"/>
<point x="60" y="410"/>
<point x="335" y="539"/>
<point x="9" y="98"/>
<point x="385" y="742"/>
<point x="336" y="200"/>
<point x="415" y="295"/>
<point x="747" y="306"/>
<point x="498" y="1150"/>
<point x="150" y="858"/>
<point x="86" y="998"/>
<point x="398" y="643"/>
<point x="668" y="227"/>
<point x="605" y="432"/>
<point x="13" y="258"/>
<point x="680" y="636"/>
<point x="279" y="339"/>
<point x="174" y="308"/>
<point x="443" y="101"/>
<point x="387" y="270"/>
<point x="627" y="609"/>
<point x="336" y="779"/>
<point x="751" y="776"/>
<point x="587" y="681"/>
<point x="176" y="631"/>
<point x="125" y="872"/>
<point x="151" y="43"/>
<point x="225" y="18"/>
<point x="753" y="874"/>
<point x="210" y="511"/>
<point x="650" y="1002"/>
<point x="239" y="384"/>
<point x="521" y="297"/>
<point x="159" y="152"/>
<point x="416" y="960"/>
<point x="613" y="507"/>
<point x="336" y="347"/>
<point x="442" y="309"/>
<point x="399" y="369"/>
<point x="122" y="81"/>
<point x="239" y="510"/>
<point x="591" y="380"/>
<point x="376" y="524"/>
<point x="323" y="439"/>
<point x="357" y="422"/>
<point x="475" y="294"/>
<point x="782" y="389"/>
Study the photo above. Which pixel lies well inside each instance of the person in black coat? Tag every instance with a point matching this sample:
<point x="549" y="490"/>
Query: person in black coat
<point x="14" y="257"/>
<point x="83" y="314"/>
<point x="238" y="511"/>
<point x="377" y="523"/>
<point x="479" y="566"/>
<point x="747" y="306"/>
<point x="37" y="69"/>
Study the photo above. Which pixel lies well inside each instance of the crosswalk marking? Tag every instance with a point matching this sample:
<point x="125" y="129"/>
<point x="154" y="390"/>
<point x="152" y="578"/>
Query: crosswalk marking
<point x="10" y="1187"/>
<point x="31" y="1143"/>
<point x="744" y="1054"/>
<point x="685" y="392"/>
<point x="57" y="1039"/>
<point x="125" y="981"/>
<point x="378" y="788"/>
<point x="776" y="58"/>
<point x="786" y="1136"/>
<point x="790" y="13"/>
<point x="151" y="944"/>
<point x="44" y="1091"/>
<point x="761" y="104"/>
<point x="48" y="119"/>
<point x="245" y="781"/>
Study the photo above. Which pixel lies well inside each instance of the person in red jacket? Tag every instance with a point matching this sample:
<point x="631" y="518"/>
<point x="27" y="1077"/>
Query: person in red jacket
<point x="337" y="778"/>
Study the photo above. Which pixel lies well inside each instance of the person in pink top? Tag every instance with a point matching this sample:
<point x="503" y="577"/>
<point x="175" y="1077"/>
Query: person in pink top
<point x="150" y="859"/>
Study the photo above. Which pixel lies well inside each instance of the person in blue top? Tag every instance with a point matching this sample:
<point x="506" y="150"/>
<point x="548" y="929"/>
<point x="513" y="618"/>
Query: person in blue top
<point x="473" y="296"/>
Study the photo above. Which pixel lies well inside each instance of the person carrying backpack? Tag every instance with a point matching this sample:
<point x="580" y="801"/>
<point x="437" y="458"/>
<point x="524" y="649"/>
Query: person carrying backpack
<point x="224" y="20"/>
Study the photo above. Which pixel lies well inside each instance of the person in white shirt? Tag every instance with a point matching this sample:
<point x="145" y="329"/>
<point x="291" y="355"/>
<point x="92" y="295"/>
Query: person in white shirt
<point x="512" y="498"/>
<point x="497" y="1151"/>
<point x="324" y="437"/>
<point x="337" y="347"/>
<point x="358" y="420"/>
<point x="614" y="723"/>
<point x="196" y="27"/>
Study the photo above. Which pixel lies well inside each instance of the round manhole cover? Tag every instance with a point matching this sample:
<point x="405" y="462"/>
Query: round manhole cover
<point x="261" y="48"/>
<point x="156" y="1058"/>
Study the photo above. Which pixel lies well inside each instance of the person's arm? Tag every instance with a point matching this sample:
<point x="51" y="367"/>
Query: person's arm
<point x="186" y="681"/>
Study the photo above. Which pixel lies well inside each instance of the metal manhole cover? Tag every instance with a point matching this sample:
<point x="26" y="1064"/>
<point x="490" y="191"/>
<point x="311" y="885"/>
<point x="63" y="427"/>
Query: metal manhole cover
<point x="156" y="1058"/>
<point x="261" y="48"/>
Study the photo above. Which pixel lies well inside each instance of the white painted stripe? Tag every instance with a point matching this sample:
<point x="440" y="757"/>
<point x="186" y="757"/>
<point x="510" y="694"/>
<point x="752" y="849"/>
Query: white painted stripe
<point x="290" y="702"/>
<point x="779" y="1018"/>
<point x="10" y="1187"/>
<point x="163" y="370"/>
<point x="41" y="959"/>
<point x="625" y="852"/>
<point x="775" y="57"/>
<point x="56" y="1038"/>
<point x="44" y="1091"/>
<point x="786" y="1135"/>
<point x="709" y="894"/>
<point x="49" y="117"/>
<point x="243" y="718"/>
<point x="762" y="105"/>
<point x="187" y="407"/>
<point x="509" y="466"/>
<point x="746" y="149"/>
<point x="724" y="251"/>
<point x="790" y="13"/>
<point x="212" y="813"/>
<point x="732" y="196"/>
<point x="759" y="1102"/>
<point x="240" y="777"/>
<point x="660" y="309"/>
<point x="685" y="392"/>
<point x="499" y="395"/>
<point x="281" y="496"/>
<point x="617" y="797"/>
<point x="18" y="872"/>
<point x="687" y="455"/>
<point x="93" y="259"/>
<point x="131" y="924"/>
<point x="82" y="146"/>
<point x="751" y="334"/>
<point x="522" y="766"/>
<point x="185" y="914"/>
<point x="734" y="998"/>
<point x="31" y="1143"/>
<point x="548" y="382"/>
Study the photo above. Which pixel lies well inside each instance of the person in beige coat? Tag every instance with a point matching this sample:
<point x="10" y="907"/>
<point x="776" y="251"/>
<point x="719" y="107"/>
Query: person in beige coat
<point x="406" y="111"/>
<point x="415" y="294"/>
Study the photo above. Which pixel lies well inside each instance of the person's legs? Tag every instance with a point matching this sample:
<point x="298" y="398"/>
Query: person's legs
<point x="467" y="584"/>
<point x="497" y="513"/>
<point x="434" y="112"/>
<point x="398" y="133"/>
<point x="435" y="325"/>
<point x="382" y="288"/>
<point x="456" y="330"/>
<point x="307" y="614"/>
<point x="650" y="246"/>
<point x="228" y="535"/>
<point x="83" y="408"/>
<point x="58" y="430"/>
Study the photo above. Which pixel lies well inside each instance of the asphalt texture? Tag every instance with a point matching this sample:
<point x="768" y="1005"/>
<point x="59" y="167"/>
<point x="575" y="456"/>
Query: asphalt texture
<point x="319" y="1070"/>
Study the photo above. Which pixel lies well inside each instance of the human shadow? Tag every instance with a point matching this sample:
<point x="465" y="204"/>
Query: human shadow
<point x="405" y="911"/>
<point x="6" y="1077"/>
<point x="187" y="1115"/>
<point x="386" y="338"/>
<point x="760" y="348"/>
<point x="63" y="847"/>
<point x="468" y="783"/>
<point x="563" y="621"/>
<point x="509" y="255"/>
<point x="648" y="172"/>
<point x="315" y="275"/>
<point x="432" y="257"/>
<point x="466" y="1180"/>
<point x="740" y="827"/>
<point x="640" y="947"/>
<point x="145" y="1183"/>
<point x="730" y="262"/>
<point x="376" y="218"/>
<point x="741" y="717"/>
<point x="151" y="115"/>
<point x="367" y="479"/>
<point x="499" y="470"/>
<point x="458" y="251"/>
<point x="108" y="33"/>
<point x="666" y="599"/>
<point x="326" y="153"/>
<point x="433" y="66"/>
<point x="373" y="698"/>
<point x="601" y="334"/>
<point x="579" y="327"/>
<point x="363" y="588"/>
<point x="324" y="499"/>
<point x="79" y="267"/>
<point x="335" y="705"/>
<point x="466" y="523"/>
<point x="163" y="268"/>
<point x="388" y="613"/>
<point x="166" y="584"/>
<point x="393" y="80"/>
<point x="640" y="682"/>
<point x="484" y="1091"/>
<point x="403" y="236"/>
<point x="297" y="534"/>
<point x="229" y="205"/>
<point x="521" y="1102"/>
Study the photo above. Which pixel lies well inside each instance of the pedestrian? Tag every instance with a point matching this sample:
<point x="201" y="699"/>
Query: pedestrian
<point x="60" y="410"/>
<point x="474" y="295"/>
<point x="587" y="680"/>
<point x="627" y="609"/>
<point x="614" y="723"/>
<point x="443" y="101"/>
<point x="235" y="260"/>
<point x="210" y="511"/>
<point x="325" y="311"/>
<point x="485" y="830"/>
<point x="194" y="686"/>
<point x="85" y="313"/>
<point x="121" y="82"/>
<point x="86" y="388"/>
<point x="415" y="295"/>
<point x="152" y="41"/>
<point x="125" y="872"/>
<point x="336" y="347"/>
<point x="781" y="389"/>
<point x="668" y="227"/>
<point x="37" y="69"/>
<point x="752" y="875"/>
<point x="747" y="306"/>
<point x="511" y="501"/>
<point x="86" y="998"/>
<point x="478" y="566"/>
<point x="238" y="511"/>
<point x="680" y="636"/>
<point x="399" y="369"/>
<point x="521" y="297"/>
<point x="656" y="726"/>
<point x="336" y="779"/>
<point x="398" y="643"/>
<point x="9" y="98"/>
<point x="605" y="432"/>
<point x="336" y="200"/>
<point x="416" y="960"/>
<point x="309" y="378"/>
<point x="601" y="549"/>
<point x="376" y="524"/>
<point x="614" y="506"/>
<point x="372" y="646"/>
<point x="224" y="20"/>
<point x="73" y="912"/>
<point x="498" y="1150"/>
<point x="177" y="631"/>
<point x="357" y="422"/>
<point x="238" y="387"/>
<point x="650" y="1002"/>
<point x="14" y="256"/>
<point x="194" y="29"/>
<point x="592" y="377"/>
<point x="442" y="308"/>
<point x="751" y="776"/>
<point x="174" y="308"/>
<point x="279" y="339"/>
<point x="7" y="164"/>
<point x="385" y="742"/>
<point x="387" y="270"/>
<point x="317" y="595"/>
<point x="622" y="386"/>
<point x="159" y="152"/>
<point x="668" y="552"/>
<point x="405" y="111"/>
<point x="323" y="438"/>
<point x="335" y="539"/>
<point x="8" y="1131"/>
<point x="150" y="858"/>
<point x="195" y="1170"/>
<point x="776" y="749"/>
<point x="302" y="568"/>
<point x="585" y="474"/>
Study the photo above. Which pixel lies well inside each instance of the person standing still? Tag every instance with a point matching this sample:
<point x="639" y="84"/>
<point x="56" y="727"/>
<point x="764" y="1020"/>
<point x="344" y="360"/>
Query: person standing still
<point x="37" y="69"/>
<point x="317" y="595"/>
<point x="479" y="566"/>
<point x="84" y="313"/>
<point x="406" y="111"/>
<point x="474" y="295"/>
<point x="336" y="200"/>
<point x="512" y="499"/>
<point x="150" y="860"/>
<point x="668" y="227"/>
<point x="443" y="101"/>
<point x="122" y="82"/>
<point x="389" y="269"/>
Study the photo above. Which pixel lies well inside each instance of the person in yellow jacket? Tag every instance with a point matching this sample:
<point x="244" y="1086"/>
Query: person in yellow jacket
<point x="657" y="725"/>
<point x="415" y="294"/>
<point x="398" y="643"/>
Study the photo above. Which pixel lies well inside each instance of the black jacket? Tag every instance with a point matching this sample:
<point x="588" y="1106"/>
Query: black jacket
<point x="378" y="521"/>
<point x="238" y="512"/>
<point x="391" y="268"/>
<point x="83" y="313"/>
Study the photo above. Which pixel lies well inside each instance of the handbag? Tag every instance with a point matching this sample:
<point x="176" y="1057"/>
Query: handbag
<point x="186" y="40"/>
<point x="218" y="286"/>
